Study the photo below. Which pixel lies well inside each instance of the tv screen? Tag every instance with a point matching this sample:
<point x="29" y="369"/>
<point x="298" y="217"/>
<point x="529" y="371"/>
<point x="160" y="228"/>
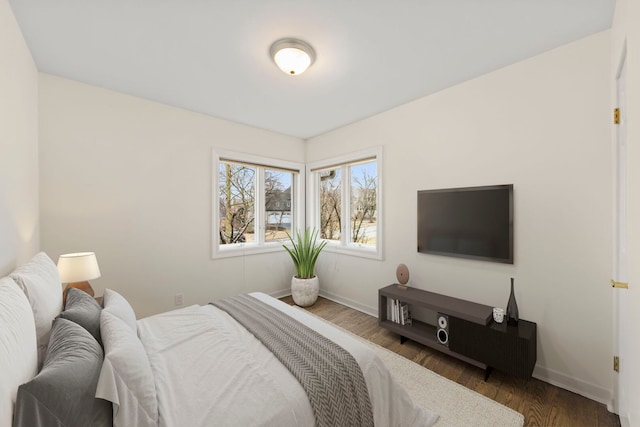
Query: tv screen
<point x="471" y="222"/>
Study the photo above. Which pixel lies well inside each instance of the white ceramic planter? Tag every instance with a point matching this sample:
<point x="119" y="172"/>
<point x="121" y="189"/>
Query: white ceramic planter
<point x="305" y="291"/>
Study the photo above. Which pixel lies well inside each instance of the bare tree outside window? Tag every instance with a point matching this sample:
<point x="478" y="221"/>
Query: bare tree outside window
<point x="237" y="203"/>
<point x="345" y="202"/>
<point x="277" y="203"/>
<point x="256" y="200"/>
<point x="330" y="204"/>
<point x="364" y="184"/>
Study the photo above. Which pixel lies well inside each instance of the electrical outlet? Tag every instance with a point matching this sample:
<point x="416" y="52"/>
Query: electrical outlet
<point x="177" y="299"/>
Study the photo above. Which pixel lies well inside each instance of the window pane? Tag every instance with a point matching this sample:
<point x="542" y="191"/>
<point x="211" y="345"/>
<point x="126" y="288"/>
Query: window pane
<point x="364" y="183"/>
<point x="237" y="203"/>
<point x="330" y="204"/>
<point x="277" y="202"/>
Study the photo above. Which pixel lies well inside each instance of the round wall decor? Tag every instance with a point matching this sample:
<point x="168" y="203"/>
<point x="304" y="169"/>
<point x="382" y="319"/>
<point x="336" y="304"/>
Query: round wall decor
<point x="402" y="274"/>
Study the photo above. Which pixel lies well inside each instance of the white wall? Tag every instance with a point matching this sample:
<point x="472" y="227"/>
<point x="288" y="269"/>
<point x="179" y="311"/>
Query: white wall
<point x="131" y="180"/>
<point x="543" y="125"/>
<point x="19" y="228"/>
<point x="625" y="30"/>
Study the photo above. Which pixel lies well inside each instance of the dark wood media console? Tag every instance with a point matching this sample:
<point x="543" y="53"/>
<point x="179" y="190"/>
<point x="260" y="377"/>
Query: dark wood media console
<point x="473" y="336"/>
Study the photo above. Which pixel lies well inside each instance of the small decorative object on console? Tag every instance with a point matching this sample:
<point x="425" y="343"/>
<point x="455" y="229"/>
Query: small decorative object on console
<point x="402" y="274"/>
<point x="498" y="315"/>
<point x="512" y="308"/>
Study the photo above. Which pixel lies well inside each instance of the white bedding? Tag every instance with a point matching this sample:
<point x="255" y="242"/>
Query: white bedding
<point x="209" y="370"/>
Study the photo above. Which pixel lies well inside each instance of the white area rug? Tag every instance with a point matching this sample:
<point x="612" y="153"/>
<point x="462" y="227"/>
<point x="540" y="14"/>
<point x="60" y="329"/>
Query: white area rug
<point x="457" y="405"/>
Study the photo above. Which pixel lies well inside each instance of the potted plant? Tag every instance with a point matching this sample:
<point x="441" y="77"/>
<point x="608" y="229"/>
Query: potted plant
<point x="304" y="252"/>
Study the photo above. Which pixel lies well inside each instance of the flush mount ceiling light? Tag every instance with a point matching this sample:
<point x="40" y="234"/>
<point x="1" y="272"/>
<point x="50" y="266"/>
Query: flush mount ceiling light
<point x="292" y="56"/>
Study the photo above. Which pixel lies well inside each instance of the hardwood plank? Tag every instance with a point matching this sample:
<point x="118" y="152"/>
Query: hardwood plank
<point x="534" y="404"/>
<point x="541" y="404"/>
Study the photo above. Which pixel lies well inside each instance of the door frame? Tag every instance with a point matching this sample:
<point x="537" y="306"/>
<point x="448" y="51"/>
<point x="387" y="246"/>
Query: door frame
<point x="620" y="247"/>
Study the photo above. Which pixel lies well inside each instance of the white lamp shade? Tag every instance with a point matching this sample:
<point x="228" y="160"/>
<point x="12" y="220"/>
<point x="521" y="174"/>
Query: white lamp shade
<point x="78" y="267"/>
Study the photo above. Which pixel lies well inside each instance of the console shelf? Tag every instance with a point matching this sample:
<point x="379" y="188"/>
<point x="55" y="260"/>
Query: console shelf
<point x="473" y="336"/>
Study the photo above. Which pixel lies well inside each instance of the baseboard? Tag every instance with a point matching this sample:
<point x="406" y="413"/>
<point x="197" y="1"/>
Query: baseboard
<point x="583" y="388"/>
<point x="280" y="293"/>
<point x="624" y="421"/>
<point x="371" y="311"/>
<point x="333" y="297"/>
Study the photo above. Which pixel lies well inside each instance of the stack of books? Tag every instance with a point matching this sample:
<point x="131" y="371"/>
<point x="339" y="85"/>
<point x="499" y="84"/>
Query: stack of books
<point x="398" y="312"/>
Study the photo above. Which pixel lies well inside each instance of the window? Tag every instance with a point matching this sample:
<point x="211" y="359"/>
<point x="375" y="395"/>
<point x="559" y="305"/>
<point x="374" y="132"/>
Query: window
<point x="256" y="202"/>
<point x="344" y="200"/>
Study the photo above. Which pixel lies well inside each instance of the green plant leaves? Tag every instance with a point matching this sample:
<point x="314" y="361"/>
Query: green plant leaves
<point x="305" y="251"/>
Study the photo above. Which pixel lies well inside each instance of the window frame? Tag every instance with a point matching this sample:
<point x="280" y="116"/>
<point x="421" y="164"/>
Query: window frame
<point x="261" y="163"/>
<point x="344" y="245"/>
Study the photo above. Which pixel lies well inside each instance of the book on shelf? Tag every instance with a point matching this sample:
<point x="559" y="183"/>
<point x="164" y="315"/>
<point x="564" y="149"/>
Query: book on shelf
<point x="398" y="312"/>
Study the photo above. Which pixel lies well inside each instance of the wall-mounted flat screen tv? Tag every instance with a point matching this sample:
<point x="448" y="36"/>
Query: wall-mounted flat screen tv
<point x="471" y="222"/>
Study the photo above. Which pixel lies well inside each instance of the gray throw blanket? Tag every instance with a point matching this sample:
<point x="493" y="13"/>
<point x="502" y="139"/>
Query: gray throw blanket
<point x="328" y="373"/>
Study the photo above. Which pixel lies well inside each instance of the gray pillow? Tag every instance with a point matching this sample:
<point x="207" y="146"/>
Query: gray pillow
<point x="83" y="309"/>
<point x="62" y="394"/>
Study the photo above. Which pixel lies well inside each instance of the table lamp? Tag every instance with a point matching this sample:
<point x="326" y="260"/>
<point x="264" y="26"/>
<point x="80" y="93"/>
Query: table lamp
<point x="77" y="269"/>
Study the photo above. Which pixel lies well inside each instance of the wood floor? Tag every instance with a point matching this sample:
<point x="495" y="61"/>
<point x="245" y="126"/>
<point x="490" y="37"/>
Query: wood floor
<point x="541" y="404"/>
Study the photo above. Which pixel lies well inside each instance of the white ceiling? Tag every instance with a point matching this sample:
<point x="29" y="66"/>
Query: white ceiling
<point x="211" y="56"/>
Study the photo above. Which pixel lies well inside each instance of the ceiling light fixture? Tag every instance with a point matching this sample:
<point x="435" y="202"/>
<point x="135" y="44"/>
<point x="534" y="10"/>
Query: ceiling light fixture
<point x="292" y="56"/>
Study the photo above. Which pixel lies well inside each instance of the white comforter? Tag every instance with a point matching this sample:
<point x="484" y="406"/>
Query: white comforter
<point x="210" y="371"/>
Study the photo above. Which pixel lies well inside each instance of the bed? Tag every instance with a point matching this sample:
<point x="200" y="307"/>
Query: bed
<point x="195" y="366"/>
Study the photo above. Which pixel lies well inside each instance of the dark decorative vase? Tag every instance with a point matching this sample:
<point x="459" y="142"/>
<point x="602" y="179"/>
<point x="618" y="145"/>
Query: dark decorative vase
<point x="512" y="309"/>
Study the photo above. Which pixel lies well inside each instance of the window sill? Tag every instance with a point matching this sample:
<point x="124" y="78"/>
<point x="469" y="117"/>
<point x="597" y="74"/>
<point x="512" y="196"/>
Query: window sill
<point x="246" y="249"/>
<point x="357" y="251"/>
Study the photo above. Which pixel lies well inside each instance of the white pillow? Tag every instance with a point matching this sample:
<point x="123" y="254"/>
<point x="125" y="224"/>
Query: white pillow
<point x="117" y="305"/>
<point x="126" y="379"/>
<point x="18" y="349"/>
<point x="40" y="281"/>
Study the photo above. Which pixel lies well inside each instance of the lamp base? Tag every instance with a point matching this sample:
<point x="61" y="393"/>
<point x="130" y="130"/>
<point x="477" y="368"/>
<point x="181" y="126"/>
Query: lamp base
<point x="83" y="286"/>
